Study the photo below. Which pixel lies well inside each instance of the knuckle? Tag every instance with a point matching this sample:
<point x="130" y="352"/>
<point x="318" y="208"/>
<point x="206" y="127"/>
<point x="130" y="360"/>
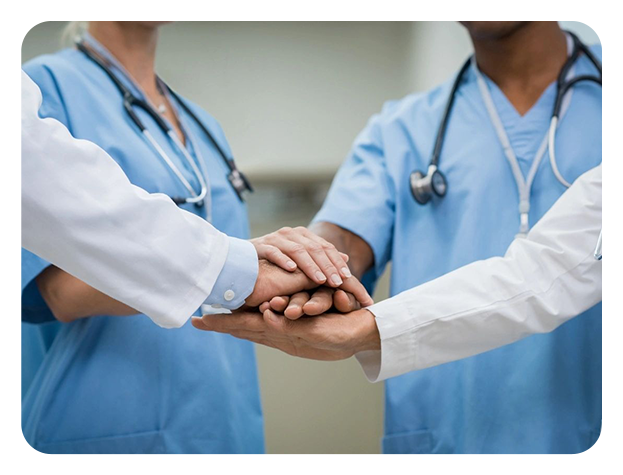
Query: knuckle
<point x="328" y="267"/>
<point x="328" y="246"/>
<point x="298" y="248"/>
<point x="271" y="250"/>
<point x="285" y="230"/>
<point x="315" y="248"/>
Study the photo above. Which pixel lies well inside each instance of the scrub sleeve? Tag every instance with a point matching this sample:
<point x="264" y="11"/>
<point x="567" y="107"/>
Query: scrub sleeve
<point x="362" y="196"/>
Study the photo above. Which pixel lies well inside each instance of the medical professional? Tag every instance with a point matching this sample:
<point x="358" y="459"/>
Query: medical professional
<point x="542" y="394"/>
<point x="112" y="384"/>
<point x="137" y="247"/>
<point x="431" y="198"/>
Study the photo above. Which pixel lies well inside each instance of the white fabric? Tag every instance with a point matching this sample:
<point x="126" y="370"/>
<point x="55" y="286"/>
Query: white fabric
<point x="80" y="212"/>
<point x="541" y="282"/>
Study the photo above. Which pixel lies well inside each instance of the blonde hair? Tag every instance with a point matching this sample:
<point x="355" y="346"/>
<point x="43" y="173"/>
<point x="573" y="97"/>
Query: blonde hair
<point x="73" y="31"/>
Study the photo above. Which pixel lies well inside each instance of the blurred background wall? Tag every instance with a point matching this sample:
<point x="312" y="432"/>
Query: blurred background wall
<point x="291" y="97"/>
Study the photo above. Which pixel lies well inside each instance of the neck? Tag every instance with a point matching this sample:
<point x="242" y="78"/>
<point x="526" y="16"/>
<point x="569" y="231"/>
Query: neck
<point x="524" y="62"/>
<point x="133" y="45"/>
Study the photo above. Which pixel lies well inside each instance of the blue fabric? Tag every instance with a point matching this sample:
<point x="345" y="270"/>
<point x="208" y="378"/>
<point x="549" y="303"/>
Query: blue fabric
<point x="236" y="276"/>
<point x="122" y="384"/>
<point x="539" y="395"/>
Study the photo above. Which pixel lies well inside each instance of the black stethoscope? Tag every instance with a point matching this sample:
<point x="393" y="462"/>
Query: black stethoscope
<point x="236" y="178"/>
<point x="433" y="183"/>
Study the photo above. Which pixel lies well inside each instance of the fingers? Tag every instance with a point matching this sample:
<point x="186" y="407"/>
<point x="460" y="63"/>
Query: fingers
<point x="320" y="302"/>
<point x="345" y="302"/>
<point x="274" y="255"/>
<point x="331" y="252"/>
<point x="322" y="259"/>
<point x="303" y="258"/>
<point x="316" y="257"/>
<point x="294" y="309"/>
<point x="278" y="304"/>
<point x="356" y="288"/>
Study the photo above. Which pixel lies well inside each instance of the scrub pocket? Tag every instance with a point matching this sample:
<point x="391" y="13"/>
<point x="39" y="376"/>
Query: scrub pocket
<point x="416" y="442"/>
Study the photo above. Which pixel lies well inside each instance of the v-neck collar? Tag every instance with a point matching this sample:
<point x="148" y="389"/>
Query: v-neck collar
<point x="508" y="112"/>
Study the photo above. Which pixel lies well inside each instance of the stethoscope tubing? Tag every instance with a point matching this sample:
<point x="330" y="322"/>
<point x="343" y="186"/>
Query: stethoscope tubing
<point x="420" y="183"/>
<point x="130" y="102"/>
<point x="563" y="87"/>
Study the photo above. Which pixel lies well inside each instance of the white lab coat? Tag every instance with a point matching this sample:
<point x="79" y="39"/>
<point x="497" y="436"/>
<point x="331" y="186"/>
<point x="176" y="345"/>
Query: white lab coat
<point x="80" y="212"/>
<point x="541" y="282"/>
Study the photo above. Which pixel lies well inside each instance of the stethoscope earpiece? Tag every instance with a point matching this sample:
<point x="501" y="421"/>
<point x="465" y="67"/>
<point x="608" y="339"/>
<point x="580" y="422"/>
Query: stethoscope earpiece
<point x="424" y="186"/>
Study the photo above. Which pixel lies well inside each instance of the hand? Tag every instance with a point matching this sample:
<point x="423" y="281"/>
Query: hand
<point x="291" y="248"/>
<point x="273" y="281"/>
<point x="321" y="301"/>
<point x="332" y="336"/>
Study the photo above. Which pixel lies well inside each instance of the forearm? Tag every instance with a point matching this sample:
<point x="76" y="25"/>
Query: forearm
<point x="358" y="250"/>
<point x="70" y="299"/>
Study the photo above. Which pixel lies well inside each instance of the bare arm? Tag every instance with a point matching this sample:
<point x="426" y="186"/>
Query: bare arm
<point x="70" y="299"/>
<point x="358" y="250"/>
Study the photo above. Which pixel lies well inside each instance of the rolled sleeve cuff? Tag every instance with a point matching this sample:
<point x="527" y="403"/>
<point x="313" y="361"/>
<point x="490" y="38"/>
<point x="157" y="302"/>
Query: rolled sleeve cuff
<point x="237" y="278"/>
<point x="398" y="350"/>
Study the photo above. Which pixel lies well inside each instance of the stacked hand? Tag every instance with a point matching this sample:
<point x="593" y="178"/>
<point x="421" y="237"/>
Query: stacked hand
<point x="282" y="314"/>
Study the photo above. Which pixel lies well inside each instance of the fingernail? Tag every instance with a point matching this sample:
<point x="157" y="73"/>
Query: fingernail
<point x="336" y="279"/>
<point x="320" y="276"/>
<point x="346" y="272"/>
<point x="291" y="265"/>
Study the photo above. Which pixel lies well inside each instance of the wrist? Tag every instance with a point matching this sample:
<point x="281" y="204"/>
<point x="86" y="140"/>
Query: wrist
<point x="259" y="289"/>
<point x="368" y="336"/>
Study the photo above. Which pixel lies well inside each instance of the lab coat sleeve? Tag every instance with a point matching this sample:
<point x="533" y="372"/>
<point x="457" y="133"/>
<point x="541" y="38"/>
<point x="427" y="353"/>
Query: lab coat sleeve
<point x="541" y="282"/>
<point x="80" y="212"/>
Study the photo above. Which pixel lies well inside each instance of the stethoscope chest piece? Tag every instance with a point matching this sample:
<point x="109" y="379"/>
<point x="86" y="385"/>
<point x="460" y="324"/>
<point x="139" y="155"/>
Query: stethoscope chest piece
<point x="424" y="186"/>
<point x="239" y="182"/>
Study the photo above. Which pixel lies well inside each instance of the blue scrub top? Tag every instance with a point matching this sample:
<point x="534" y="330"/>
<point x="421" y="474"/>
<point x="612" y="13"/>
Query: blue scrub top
<point x="122" y="384"/>
<point x="539" y="395"/>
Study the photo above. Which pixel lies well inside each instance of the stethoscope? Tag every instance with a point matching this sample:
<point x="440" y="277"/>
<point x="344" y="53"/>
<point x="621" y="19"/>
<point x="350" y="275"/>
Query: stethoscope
<point x="236" y="178"/>
<point x="433" y="183"/>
